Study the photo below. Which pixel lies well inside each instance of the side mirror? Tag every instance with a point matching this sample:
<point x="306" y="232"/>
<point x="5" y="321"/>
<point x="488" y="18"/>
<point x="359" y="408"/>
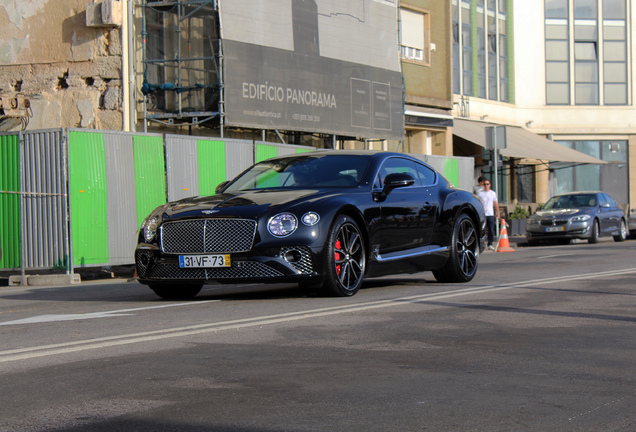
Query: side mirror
<point x="221" y="186"/>
<point x="394" y="181"/>
<point x="605" y="205"/>
<point x="397" y="180"/>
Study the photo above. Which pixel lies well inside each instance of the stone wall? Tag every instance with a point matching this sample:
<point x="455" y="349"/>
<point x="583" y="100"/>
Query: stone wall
<point x="71" y="74"/>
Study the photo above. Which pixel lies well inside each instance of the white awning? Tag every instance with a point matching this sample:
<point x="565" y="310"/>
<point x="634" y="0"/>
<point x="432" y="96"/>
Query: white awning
<point x="521" y="143"/>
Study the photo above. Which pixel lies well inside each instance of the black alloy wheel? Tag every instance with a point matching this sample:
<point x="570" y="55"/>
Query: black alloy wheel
<point x="345" y="258"/>
<point x="464" y="253"/>
<point x="176" y="292"/>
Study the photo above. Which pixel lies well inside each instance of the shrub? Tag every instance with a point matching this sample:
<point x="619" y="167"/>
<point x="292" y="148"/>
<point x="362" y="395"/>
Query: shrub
<point x="519" y="213"/>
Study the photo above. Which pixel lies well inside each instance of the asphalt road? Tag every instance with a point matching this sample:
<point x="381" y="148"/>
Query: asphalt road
<point x="543" y="339"/>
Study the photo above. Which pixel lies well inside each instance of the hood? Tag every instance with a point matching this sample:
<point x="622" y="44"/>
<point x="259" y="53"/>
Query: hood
<point x="554" y="213"/>
<point x="245" y="204"/>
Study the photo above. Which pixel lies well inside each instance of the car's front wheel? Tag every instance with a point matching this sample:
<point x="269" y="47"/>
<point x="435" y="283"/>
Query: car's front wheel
<point x="464" y="253"/>
<point x="176" y="292"/>
<point x="622" y="232"/>
<point x="345" y="258"/>
<point x="595" y="233"/>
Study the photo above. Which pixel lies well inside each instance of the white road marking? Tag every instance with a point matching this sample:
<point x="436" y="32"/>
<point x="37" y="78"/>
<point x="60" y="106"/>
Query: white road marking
<point x="111" y="341"/>
<point x="92" y="315"/>
<point x="554" y="256"/>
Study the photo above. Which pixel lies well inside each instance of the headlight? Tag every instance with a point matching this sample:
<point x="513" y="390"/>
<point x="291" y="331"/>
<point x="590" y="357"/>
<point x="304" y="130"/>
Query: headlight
<point x="282" y="224"/>
<point x="150" y="227"/>
<point x="533" y="222"/>
<point x="310" y="219"/>
<point x="581" y="218"/>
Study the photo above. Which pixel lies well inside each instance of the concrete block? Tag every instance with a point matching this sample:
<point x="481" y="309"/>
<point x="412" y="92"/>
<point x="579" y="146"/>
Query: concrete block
<point x="45" y="280"/>
<point x="18" y="280"/>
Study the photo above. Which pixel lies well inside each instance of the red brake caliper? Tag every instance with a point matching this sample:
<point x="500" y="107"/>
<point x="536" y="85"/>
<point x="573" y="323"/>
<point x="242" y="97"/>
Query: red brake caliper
<point x="337" y="255"/>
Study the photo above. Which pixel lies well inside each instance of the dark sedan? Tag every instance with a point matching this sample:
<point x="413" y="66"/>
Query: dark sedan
<point x="323" y="219"/>
<point x="577" y="215"/>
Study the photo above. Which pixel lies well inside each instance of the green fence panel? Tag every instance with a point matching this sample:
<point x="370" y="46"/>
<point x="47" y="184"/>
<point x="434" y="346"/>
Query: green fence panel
<point x="10" y="238"/>
<point x="264" y="151"/>
<point x="211" y="162"/>
<point x="88" y="198"/>
<point x="451" y="171"/>
<point x="150" y="174"/>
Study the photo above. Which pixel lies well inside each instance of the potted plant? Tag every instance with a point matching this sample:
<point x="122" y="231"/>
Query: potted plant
<point x="518" y="221"/>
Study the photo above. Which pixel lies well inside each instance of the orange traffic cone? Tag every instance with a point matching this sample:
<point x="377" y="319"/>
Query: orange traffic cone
<point x="504" y="243"/>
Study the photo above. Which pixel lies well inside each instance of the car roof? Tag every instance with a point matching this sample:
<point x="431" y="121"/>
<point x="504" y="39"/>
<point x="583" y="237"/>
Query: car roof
<point x="578" y="193"/>
<point x="329" y="152"/>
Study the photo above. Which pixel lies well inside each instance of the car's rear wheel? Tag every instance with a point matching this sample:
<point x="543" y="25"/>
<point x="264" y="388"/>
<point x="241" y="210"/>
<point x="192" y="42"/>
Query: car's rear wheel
<point x="464" y="257"/>
<point x="622" y="232"/>
<point x="176" y="292"/>
<point x="345" y="258"/>
<point x="595" y="233"/>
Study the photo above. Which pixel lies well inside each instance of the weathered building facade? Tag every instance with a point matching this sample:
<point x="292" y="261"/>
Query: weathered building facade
<point x="70" y="73"/>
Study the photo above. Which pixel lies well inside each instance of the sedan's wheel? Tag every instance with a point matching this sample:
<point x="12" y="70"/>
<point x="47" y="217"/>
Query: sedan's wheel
<point x="345" y="258"/>
<point x="622" y="232"/>
<point x="464" y="253"/>
<point x="176" y="292"/>
<point x="595" y="233"/>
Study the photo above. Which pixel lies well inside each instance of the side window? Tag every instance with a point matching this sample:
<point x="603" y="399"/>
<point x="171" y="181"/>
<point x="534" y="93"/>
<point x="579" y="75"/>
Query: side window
<point x="603" y="199"/>
<point x="427" y="175"/>
<point x="396" y="165"/>
<point x="610" y="200"/>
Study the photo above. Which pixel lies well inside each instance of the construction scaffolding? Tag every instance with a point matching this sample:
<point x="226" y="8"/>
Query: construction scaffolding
<point x="182" y="75"/>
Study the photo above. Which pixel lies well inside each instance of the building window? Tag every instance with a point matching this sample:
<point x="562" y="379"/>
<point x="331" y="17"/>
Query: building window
<point x="586" y="60"/>
<point x="557" y="62"/>
<point x="480" y="49"/>
<point x="597" y="56"/>
<point x="609" y="178"/>
<point x="457" y="86"/>
<point x="482" y="76"/>
<point x="416" y="35"/>
<point x="467" y="49"/>
<point x="614" y="52"/>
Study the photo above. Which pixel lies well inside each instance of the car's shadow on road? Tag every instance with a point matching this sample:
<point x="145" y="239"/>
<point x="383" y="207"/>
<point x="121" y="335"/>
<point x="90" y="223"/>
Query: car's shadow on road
<point x="133" y="292"/>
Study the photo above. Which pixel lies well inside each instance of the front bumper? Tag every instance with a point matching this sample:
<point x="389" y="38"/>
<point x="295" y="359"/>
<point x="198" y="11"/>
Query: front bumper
<point x="570" y="230"/>
<point x="275" y="264"/>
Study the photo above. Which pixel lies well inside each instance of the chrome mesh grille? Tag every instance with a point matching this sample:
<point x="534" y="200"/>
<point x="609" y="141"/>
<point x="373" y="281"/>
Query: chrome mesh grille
<point x="208" y="236"/>
<point x="304" y="266"/>
<point x="246" y="269"/>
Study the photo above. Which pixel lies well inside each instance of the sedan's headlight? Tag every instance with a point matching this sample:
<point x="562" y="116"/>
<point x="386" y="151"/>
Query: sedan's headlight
<point x="532" y="222"/>
<point x="150" y="227"/>
<point x="282" y="224"/>
<point x="581" y="218"/>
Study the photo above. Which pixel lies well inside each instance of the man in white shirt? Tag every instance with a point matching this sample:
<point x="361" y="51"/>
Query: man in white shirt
<point x="489" y="200"/>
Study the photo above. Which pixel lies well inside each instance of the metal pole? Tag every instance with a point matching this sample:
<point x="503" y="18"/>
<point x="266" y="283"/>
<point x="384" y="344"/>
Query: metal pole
<point x="144" y="42"/>
<point x="496" y="162"/>
<point x="67" y="215"/>
<point x="23" y="240"/>
<point x="131" y="67"/>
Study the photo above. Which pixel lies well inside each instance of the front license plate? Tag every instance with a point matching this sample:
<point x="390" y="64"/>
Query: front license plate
<point x="204" y="261"/>
<point x="554" y="229"/>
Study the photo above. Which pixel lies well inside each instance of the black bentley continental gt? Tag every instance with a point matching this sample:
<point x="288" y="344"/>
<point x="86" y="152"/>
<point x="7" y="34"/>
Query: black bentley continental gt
<point x="324" y="219"/>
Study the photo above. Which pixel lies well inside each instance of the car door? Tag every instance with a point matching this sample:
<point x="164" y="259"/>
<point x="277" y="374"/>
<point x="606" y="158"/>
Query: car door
<point x="611" y="214"/>
<point x="405" y="213"/>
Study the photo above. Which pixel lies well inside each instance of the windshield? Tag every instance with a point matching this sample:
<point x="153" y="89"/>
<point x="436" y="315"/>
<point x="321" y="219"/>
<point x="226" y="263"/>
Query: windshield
<point x="571" y="201"/>
<point x="334" y="171"/>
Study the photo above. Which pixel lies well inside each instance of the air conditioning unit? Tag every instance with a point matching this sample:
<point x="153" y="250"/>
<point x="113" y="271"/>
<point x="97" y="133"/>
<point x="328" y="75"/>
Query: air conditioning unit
<point x="107" y="13"/>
